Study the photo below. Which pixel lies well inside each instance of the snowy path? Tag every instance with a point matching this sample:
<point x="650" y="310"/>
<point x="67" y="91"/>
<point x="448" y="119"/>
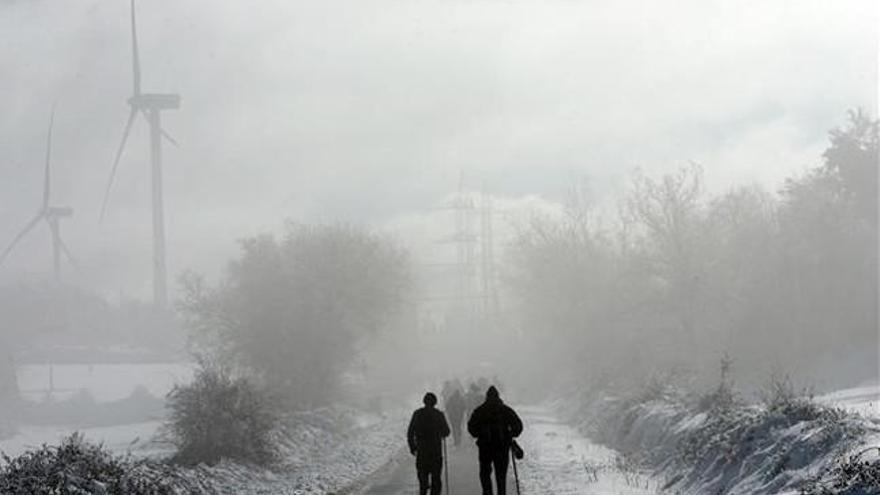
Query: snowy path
<point x="559" y="461"/>
<point x="401" y="479"/>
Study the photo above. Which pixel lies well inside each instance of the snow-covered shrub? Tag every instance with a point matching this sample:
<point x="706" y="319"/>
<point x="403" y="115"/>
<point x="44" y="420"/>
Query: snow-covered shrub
<point x="724" y="397"/>
<point x="221" y="416"/>
<point x="79" y="467"/>
<point x="74" y="465"/>
<point x="719" y="400"/>
<point x="779" y="396"/>
<point x="721" y="444"/>
<point x="852" y="475"/>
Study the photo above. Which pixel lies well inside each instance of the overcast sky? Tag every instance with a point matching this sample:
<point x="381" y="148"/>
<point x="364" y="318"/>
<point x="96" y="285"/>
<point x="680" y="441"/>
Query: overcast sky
<point x="368" y="111"/>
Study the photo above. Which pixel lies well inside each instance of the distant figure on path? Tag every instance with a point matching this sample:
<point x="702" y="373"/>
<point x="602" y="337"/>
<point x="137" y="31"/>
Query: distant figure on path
<point x="494" y="425"/>
<point x="473" y="398"/>
<point x="425" y="435"/>
<point x="448" y="387"/>
<point x="455" y="407"/>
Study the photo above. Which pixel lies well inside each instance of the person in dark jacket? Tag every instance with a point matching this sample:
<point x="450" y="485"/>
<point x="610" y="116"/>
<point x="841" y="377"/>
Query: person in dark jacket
<point x="494" y="425"/>
<point x="455" y="407"/>
<point x="427" y="429"/>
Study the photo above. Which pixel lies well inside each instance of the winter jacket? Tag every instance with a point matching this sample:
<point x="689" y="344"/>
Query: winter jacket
<point x="427" y="429"/>
<point x="494" y="425"/>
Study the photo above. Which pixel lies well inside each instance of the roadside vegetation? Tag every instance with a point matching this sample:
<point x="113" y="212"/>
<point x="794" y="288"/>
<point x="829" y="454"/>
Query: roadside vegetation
<point x="274" y="338"/>
<point x="220" y="416"/>
<point x="783" y="279"/>
<point x="719" y="442"/>
<point x="80" y="467"/>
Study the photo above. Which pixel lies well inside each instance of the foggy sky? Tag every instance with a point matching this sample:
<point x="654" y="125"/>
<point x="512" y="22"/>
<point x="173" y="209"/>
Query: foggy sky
<point x="369" y="110"/>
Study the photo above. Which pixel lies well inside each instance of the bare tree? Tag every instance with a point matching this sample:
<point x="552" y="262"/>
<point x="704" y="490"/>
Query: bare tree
<point x="669" y="215"/>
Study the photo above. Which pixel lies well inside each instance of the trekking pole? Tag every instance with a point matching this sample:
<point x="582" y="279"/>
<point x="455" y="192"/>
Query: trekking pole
<point x="446" y="465"/>
<point x="515" y="474"/>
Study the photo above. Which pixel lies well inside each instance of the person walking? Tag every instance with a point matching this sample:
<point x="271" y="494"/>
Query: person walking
<point x="427" y="429"/>
<point x="473" y="397"/>
<point x="494" y="424"/>
<point x="455" y="407"/>
<point x="446" y="391"/>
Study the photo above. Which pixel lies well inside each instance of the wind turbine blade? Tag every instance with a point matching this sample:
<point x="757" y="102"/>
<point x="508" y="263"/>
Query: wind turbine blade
<point x="165" y="134"/>
<point x="46" y="181"/>
<point x="169" y="138"/>
<point x="135" y="56"/>
<point x="66" y="252"/>
<point x="20" y="235"/>
<point x="131" y="117"/>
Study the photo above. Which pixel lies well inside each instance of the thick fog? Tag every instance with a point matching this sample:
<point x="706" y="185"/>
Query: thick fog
<point x="371" y="197"/>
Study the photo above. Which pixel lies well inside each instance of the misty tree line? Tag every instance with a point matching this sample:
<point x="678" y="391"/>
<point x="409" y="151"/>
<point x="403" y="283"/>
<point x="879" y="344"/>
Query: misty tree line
<point x="784" y="279"/>
<point x="781" y="282"/>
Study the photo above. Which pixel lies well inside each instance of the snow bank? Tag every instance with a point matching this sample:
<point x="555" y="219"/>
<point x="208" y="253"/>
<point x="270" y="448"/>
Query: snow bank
<point x="324" y="451"/>
<point x="738" y="449"/>
<point x="864" y="400"/>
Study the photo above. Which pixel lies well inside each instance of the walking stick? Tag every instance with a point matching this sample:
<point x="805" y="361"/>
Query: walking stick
<point x="446" y="465"/>
<point x="515" y="474"/>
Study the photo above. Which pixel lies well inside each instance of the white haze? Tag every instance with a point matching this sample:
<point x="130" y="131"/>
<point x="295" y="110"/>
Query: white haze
<point x="368" y="111"/>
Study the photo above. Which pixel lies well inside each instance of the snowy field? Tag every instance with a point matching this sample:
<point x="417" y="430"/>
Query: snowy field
<point x="864" y="400"/>
<point x="136" y="438"/>
<point x="104" y="382"/>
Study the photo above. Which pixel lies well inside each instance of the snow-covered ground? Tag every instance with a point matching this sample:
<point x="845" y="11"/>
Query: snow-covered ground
<point x="747" y="449"/>
<point x="864" y="399"/>
<point x="318" y="460"/>
<point x="136" y="438"/>
<point x="322" y="452"/>
<point x="560" y="461"/>
<point x="104" y="382"/>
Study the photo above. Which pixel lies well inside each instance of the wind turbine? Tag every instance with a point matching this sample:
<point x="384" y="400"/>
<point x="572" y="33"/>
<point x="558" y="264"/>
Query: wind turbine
<point x="150" y="105"/>
<point x="51" y="214"/>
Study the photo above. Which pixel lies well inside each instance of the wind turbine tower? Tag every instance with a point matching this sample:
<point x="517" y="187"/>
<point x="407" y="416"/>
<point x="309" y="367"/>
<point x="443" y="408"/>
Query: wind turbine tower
<point x="150" y="106"/>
